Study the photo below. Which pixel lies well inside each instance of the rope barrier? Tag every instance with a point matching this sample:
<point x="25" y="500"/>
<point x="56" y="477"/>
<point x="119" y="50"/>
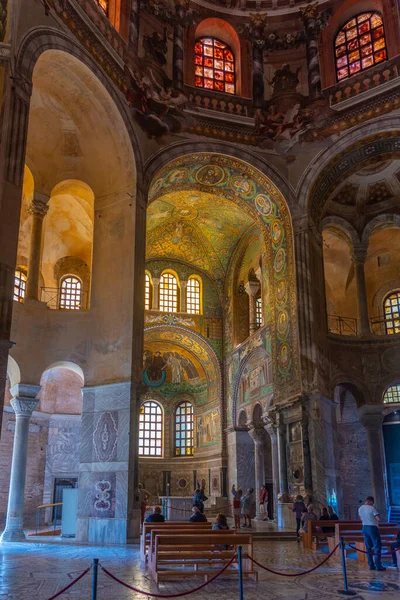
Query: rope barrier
<point x="293" y="574"/>
<point x="366" y="551"/>
<point x="177" y="595"/>
<point x="71" y="584"/>
<point x="186" y="509"/>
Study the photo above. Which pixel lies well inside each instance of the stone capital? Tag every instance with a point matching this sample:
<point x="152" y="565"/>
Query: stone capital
<point x="39" y="205"/>
<point x="25" y="398"/>
<point x="359" y="253"/>
<point x="252" y="288"/>
<point x="155" y="280"/>
<point x="371" y="417"/>
<point x="183" y="284"/>
<point x="257" y="433"/>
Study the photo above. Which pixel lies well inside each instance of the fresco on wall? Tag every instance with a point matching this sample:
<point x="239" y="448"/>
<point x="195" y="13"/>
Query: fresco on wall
<point x="228" y="179"/>
<point x="208" y="429"/>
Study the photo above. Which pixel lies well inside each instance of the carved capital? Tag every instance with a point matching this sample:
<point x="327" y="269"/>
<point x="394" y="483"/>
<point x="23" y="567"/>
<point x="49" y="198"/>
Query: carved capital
<point x="39" y="206"/>
<point x="25" y="399"/>
<point x="309" y="12"/>
<point x="359" y="253"/>
<point x="252" y="288"/>
<point x="257" y="433"/>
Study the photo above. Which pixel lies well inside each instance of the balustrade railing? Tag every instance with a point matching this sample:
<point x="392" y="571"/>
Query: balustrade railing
<point x="363" y="82"/>
<point x="219" y="102"/>
<point x="53" y="298"/>
<point x="342" y="325"/>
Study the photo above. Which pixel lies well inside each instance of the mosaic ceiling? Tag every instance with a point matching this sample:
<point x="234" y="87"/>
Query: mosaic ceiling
<point x="197" y="228"/>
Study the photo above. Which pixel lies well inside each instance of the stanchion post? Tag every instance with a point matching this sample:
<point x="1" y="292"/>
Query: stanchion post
<point x="345" y="591"/>
<point x="95" y="567"/>
<point x="240" y="568"/>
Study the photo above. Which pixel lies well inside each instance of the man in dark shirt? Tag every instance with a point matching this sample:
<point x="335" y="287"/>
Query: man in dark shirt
<point x="393" y="547"/>
<point x="197" y="516"/>
<point x="156" y="517"/>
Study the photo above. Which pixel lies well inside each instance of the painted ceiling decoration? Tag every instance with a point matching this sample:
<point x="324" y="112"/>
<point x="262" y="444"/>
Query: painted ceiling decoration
<point x="223" y="182"/>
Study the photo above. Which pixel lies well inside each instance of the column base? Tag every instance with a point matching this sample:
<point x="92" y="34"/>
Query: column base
<point x="13" y="535"/>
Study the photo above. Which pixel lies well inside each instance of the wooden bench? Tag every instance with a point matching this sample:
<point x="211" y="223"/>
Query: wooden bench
<point x="312" y="533"/>
<point x="351" y="532"/>
<point x="168" y="526"/>
<point x="386" y="538"/>
<point x="192" y="531"/>
<point x="199" y="555"/>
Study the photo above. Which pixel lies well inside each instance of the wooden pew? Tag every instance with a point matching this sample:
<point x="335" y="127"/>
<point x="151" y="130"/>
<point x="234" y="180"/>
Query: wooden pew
<point x="351" y="532"/>
<point x="312" y="533"/>
<point x="388" y="536"/>
<point x="174" y="555"/>
<point x="168" y="526"/>
<point x="192" y="531"/>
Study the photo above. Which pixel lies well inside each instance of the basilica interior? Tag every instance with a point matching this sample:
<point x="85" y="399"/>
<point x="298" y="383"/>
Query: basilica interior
<point x="199" y="258"/>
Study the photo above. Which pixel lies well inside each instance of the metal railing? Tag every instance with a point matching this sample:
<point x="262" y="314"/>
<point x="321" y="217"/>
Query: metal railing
<point x="52" y="297"/>
<point x="382" y="326"/>
<point x="342" y="325"/>
<point x="38" y="513"/>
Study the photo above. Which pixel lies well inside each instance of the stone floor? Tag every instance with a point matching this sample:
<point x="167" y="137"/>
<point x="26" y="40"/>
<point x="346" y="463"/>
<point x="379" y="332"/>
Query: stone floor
<point x="33" y="570"/>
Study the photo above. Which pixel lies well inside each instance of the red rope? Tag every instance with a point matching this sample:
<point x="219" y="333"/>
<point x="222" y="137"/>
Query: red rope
<point x="186" y="509"/>
<point x="168" y="595"/>
<point x="366" y="551"/>
<point x="293" y="574"/>
<point x="71" y="584"/>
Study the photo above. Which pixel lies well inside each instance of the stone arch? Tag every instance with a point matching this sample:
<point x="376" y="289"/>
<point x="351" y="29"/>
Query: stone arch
<point x="344" y="227"/>
<point x="41" y="39"/>
<point x="380" y="222"/>
<point x="61" y="383"/>
<point x="384" y="290"/>
<point x="13" y="371"/>
<point x="349" y="152"/>
<point x="267" y="206"/>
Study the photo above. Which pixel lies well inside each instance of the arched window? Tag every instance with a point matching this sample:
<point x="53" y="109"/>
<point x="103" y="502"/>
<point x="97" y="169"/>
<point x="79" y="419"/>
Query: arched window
<point x="391" y="309"/>
<point x="147" y="292"/>
<point x="360" y="44"/>
<point x="19" y="285"/>
<point x="168" y="293"/>
<point x="214" y="65"/>
<point x="150" y="429"/>
<point x="259" y="317"/>
<point x="71" y="293"/>
<point x="392" y="395"/>
<point x="193" y="291"/>
<point x="184" y="429"/>
<point x="104" y="5"/>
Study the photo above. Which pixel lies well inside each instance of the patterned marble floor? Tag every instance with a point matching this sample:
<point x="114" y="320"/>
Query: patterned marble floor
<point x="32" y="570"/>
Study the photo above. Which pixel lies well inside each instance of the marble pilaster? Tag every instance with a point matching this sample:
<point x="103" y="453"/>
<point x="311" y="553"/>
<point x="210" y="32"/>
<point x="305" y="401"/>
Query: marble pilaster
<point x="271" y="429"/>
<point x="257" y="434"/>
<point x="283" y="472"/>
<point x="371" y="418"/>
<point x="24" y="402"/>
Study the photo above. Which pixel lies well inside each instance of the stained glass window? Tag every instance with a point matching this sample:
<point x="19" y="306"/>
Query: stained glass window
<point x="360" y="44"/>
<point x="147" y="292"/>
<point x="103" y="5"/>
<point x="168" y="293"/>
<point x="214" y="66"/>
<point x="150" y="429"/>
<point x="193" y="296"/>
<point x="259" y="319"/>
<point x="71" y="293"/>
<point x="184" y="429"/>
<point x="391" y="308"/>
<point x="392" y="395"/>
<point x="19" y="285"/>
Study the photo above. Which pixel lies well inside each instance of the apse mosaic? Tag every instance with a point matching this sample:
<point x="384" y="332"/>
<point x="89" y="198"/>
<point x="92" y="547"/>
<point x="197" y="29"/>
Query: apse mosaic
<point x="234" y="182"/>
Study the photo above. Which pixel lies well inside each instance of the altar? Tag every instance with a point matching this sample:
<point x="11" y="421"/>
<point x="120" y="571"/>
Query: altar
<point x="176" y="508"/>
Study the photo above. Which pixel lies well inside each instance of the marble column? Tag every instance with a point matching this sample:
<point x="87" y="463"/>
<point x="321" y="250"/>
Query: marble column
<point x="309" y="15"/>
<point x="359" y="256"/>
<point x="283" y="473"/>
<point x="177" y="49"/>
<point x="371" y="418"/>
<point x="23" y="403"/>
<point x="134" y="19"/>
<point x="38" y="209"/>
<point x="183" y="295"/>
<point x="271" y="429"/>
<point x="156" y="293"/>
<point x="252" y="288"/>
<point x="257" y="434"/>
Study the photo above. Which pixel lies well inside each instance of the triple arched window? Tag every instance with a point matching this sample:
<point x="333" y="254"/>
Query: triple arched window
<point x="391" y="310"/>
<point x="360" y="44"/>
<point x="214" y="65"/>
<point x="170" y="295"/>
<point x="151" y="426"/>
